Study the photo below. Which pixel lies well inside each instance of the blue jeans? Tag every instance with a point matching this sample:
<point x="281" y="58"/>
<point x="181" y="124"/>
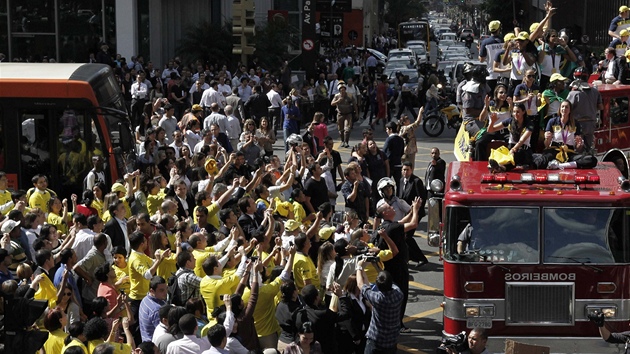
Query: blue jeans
<point x="372" y="348"/>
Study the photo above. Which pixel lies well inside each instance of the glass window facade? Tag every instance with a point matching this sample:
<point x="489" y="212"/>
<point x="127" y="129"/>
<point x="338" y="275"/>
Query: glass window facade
<point x="61" y="30"/>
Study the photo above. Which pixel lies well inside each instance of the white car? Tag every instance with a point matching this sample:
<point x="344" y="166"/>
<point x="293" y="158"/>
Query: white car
<point x="399" y="53"/>
<point x="421" y="53"/>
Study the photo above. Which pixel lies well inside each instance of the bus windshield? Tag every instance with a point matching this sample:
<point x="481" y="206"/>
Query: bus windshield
<point x="513" y="235"/>
<point x="414" y="30"/>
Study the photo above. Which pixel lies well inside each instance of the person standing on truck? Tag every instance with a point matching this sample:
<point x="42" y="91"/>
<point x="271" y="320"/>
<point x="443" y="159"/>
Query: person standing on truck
<point x="585" y="103"/>
<point x="611" y="337"/>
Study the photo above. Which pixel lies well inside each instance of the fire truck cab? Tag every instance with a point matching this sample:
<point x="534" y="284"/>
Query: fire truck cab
<point x="530" y="254"/>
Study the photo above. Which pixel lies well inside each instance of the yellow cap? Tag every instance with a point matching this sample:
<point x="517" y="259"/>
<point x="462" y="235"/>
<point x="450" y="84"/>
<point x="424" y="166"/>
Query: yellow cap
<point x="533" y="27"/>
<point x="494" y="26"/>
<point x="624" y="8"/>
<point x="624" y="33"/>
<point x="522" y="36"/>
<point x="291" y="225"/>
<point x="508" y="37"/>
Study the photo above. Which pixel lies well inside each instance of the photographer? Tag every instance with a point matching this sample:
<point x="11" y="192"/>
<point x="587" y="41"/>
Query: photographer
<point x="607" y="335"/>
<point x="477" y="339"/>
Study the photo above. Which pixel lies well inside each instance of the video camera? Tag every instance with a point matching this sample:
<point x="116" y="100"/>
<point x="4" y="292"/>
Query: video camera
<point x="455" y="342"/>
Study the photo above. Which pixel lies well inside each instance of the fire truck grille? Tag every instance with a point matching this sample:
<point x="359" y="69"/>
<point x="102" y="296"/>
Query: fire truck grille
<point x="536" y="304"/>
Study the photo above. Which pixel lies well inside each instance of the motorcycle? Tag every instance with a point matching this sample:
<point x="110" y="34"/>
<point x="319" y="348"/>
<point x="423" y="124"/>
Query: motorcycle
<point x="445" y="114"/>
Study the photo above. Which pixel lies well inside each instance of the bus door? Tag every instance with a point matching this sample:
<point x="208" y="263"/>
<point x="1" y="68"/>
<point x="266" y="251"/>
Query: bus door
<point x="57" y="141"/>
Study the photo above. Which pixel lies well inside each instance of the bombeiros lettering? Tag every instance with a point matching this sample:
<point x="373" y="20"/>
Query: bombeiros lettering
<point x="540" y="277"/>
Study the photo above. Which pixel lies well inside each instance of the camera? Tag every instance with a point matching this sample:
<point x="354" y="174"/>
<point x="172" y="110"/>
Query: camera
<point x="253" y="258"/>
<point x="370" y="258"/>
<point x="455" y="342"/>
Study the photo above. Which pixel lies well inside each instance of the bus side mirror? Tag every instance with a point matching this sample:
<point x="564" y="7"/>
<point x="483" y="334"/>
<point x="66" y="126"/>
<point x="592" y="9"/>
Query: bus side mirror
<point x="434" y="221"/>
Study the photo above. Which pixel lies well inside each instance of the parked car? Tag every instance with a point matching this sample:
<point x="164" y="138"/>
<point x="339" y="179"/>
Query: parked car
<point x="465" y="32"/>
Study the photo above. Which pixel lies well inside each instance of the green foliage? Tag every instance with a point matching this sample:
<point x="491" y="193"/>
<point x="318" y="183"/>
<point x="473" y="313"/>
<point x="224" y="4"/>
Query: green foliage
<point x="207" y="41"/>
<point x="272" y="41"/>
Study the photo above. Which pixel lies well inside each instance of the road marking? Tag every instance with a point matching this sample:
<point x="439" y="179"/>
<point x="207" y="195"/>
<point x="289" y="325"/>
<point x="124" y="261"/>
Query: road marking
<point x="407" y="349"/>
<point x="424" y="287"/>
<point x="422" y="314"/>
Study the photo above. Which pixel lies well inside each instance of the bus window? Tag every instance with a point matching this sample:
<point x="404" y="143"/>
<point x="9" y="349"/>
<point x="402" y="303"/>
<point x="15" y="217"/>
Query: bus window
<point x="2" y="146"/>
<point x="493" y="234"/>
<point x="585" y="235"/>
<point x="35" y="144"/>
<point x="74" y="155"/>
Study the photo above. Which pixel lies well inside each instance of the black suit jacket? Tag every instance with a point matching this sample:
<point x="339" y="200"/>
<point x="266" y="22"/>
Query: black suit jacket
<point x="435" y="172"/>
<point x="308" y="138"/>
<point x="249" y="225"/>
<point x="115" y="232"/>
<point x="181" y="212"/>
<point x="414" y="188"/>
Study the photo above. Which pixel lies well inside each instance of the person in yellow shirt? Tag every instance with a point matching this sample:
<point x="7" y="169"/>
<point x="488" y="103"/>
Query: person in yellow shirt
<point x="265" y="320"/>
<point x="40" y="195"/>
<point x="58" y="213"/>
<point x="99" y="193"/>
<point x="6" y="202"/>
<point x="202" y="251"/>
<point x="54" y="322"/>
<point x="360" y="238"/>
<point x="304" y="271"/>
<point x="97" y="334"/>
<point x="47" y="290"/>
<point x="141" y="270"/>
<point x="211" y="285"/>
<point x="154" y="197"/>
<point x="121" y="269"/>
<point x="158" y="242"/>
<point x="75" y="337"/>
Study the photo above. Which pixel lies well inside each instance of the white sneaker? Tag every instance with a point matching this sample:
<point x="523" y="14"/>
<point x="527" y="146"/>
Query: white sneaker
<point x="554" y="165"/>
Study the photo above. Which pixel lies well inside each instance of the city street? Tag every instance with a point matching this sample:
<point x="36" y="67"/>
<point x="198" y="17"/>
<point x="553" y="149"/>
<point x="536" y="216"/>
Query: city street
<point x="424" y="314"/>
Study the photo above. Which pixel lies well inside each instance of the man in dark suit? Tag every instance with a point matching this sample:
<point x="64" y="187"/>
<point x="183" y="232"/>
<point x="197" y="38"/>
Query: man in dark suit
<point x="311" y="140"/>
<point x="249" y="220"/>
<point x="116" y="227"/>
<point x="410" y="186"/>
<point x="435" y="170"/>
<point x="185" y="200"/>
<point x="257" y="105"/>
<point x="394" y="148"/>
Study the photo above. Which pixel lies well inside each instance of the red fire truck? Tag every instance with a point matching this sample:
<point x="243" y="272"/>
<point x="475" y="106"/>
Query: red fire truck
<point x="529" y="254"/>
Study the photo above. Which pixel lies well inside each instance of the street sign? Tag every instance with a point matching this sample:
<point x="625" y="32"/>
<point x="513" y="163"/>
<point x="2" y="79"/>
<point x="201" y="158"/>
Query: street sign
<point x="308" y="44"/>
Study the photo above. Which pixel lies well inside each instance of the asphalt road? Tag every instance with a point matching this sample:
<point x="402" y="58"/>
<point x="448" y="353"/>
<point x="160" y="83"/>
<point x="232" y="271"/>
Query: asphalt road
<point x="423" y="314"/>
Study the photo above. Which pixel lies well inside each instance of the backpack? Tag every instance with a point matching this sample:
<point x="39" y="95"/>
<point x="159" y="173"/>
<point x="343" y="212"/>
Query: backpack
<point x="174" y="292"/>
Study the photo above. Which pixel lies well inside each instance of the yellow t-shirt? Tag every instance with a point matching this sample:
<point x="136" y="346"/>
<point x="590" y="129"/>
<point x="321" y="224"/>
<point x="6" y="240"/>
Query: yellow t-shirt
<point x="98" y="205"/>
<point x="47" y="291"/>
<point x="39" y="199"/>
<point x="213" y="215"/>
<point x="200" y="257"/>
<point x="6" y="202"/>
<point x="74" y="343"/>
<point x="127" y="207"/>
<point x="106" y="216"/>
<point x="121" y="273"/>
<point x="54" y="343"/>
<point x="58" y="222"/>
<point x="153" y="203"/>
<point x="265" y="316"/>
<point x="298" y="212"/>
<point x="119" y="348"/>
<point x="138" y="263"/>
<point x="168" y="266"/>
<point x="304" y="269"/>
<point x="210" y="289"/>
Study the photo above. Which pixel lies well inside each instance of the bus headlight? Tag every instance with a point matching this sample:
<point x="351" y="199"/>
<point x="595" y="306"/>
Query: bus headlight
<point x="609" y="311"/>
<point x="475" y="310"/>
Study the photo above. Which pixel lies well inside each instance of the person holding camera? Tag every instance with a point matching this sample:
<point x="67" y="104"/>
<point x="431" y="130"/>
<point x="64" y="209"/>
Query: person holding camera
<point x="477" y="340"/>
<point x="611" y="337"/>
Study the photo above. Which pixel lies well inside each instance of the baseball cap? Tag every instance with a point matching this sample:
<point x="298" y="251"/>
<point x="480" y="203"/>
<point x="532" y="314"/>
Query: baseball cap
<point x="522" y="36"/>
<point x="291" y="225"/>
<point x="624" y="8"/>
<point x="9" y="225"/>
<point x="196" y="108"/>
<point x="508" y="37"/>
<point x="117" y="187"/>
<point x="624" y="32"/>
<point x="494" y="26"/>
<point x="533" y="26"/>
<point x="557" y="77"/>
<point x="325" y="232"/>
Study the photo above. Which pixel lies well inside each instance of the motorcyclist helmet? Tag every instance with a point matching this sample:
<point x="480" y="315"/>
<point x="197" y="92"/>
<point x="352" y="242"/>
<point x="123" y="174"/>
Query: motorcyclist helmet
<point x="384" y="182"/>
<point x="580" y="74"/>
<point x="468" y="68"/>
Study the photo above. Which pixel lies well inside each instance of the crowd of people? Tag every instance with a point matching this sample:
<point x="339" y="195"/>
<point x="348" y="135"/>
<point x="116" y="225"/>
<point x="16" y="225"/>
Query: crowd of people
<point x="524" y="99"/>
<point x="215" y="242"/>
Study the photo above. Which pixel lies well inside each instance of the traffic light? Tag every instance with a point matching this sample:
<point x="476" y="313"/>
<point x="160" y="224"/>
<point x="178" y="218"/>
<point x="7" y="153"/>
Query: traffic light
<point x="243" y="28"/>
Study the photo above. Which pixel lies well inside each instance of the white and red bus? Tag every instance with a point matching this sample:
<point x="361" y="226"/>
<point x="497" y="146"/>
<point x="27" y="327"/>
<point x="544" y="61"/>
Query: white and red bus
<point x="529" y="254"/>
<point x="55" y="117"/>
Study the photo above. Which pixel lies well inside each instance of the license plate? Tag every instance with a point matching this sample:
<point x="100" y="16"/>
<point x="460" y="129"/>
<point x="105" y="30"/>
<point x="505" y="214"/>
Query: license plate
<point x="482" y="322"/>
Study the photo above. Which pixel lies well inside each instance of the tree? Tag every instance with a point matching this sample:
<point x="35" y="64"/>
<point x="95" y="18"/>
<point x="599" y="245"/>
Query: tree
<point x="272" y="41"/>
<point x="209" y="42"/>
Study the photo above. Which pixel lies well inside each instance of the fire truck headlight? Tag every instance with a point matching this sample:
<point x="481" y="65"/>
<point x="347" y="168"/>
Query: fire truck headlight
<point x="437" y="186"/>
<point x="472" y="311"/>
<point x="487" y="311"/>
<point x="609" y="312"/>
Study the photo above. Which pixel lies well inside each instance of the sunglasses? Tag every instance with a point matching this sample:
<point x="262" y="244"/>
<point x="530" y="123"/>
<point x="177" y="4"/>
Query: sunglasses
<point x="531" y="76"/>
<point x="67" y="294"/>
